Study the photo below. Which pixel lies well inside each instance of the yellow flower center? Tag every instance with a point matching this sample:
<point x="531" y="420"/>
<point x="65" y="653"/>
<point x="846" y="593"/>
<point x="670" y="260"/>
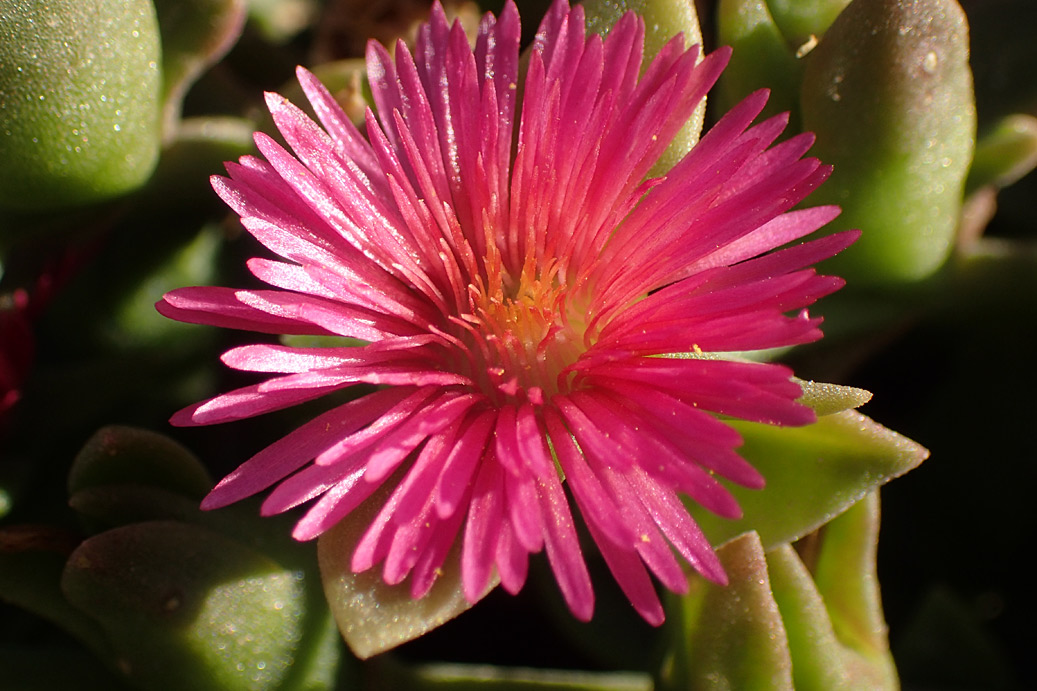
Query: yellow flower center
<point x="522" y="334"/>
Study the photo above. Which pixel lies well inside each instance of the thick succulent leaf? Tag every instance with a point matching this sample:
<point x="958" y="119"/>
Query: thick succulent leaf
<point x="279" y="20"/>
<point x="79" y="117"/>
<point x="900" y="73"/>
<point x="761" y="58"/>
<point x="119" y="455"/>
<point x="847" y="581"/>
<point x="732" y="637"/>
<point x="179" y="597"/>
<point x="664" y="19"/>
<point x="813" y="474"/>
<point x="835" y="626"/>
<point x="374" y="617"/>
<point x="826" y="398"/>
<point x="195" y="35"/>
<point x="31" y="562"/>
<point x="1004" y="154"/>
<point x="803" y="20"/>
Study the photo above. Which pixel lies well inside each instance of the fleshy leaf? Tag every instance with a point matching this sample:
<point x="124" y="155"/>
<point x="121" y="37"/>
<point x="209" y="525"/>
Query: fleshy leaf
<point x="374" y="617"/>
<point x="195" y="35"/>
<point x="813" y="474"/>
<point x="31" y="562"/>
<point x="845" y="577"/>
<point x="732" y="636"/>
<point x="826" y="398"/>
<point x="119" y="455"/>
<point x="664" y="19"/>
<point x="761" y="59"/>
<point x="79" y="118"/>
<point x="1005" y="154"/>
<point x="834" y="620"/>
<point x="898" y="72"/>
<point x="802" y="20"/>
<point x="179" y="597"/>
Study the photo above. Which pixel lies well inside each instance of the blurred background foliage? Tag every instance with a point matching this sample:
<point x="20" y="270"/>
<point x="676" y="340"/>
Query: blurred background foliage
<point x="928" y="111"/>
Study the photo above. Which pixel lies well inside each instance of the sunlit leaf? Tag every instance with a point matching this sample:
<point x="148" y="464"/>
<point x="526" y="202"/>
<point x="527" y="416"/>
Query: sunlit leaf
<point x="733" y="636"/>
<point x="79" y="117"/>
<point x="813" y="474"/>
<point x="835" y="627"/>
<point x="888" y="92"/>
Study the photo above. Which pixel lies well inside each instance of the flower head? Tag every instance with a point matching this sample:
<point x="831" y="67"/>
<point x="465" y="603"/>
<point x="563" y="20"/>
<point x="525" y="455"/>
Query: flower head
<point x="519" y="283"/>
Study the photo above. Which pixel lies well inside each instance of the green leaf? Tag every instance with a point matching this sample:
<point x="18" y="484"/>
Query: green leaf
<point x="31" y="562"/>
<point x="888" y="92"/>
<point x="826" y="398"/>
<point x="732" y="637"/>
<point x="119" y="455"/>
<point x="1004" y="154"/>
<point x="846" y="578"/>
<point x="664" y="19"/>
<point x="79" y="117"/>
<point x="801" y="20"/>
<point x="761" y="58"/>
<point x="813" y="474"/>
<point x="195" y="35"/>
<point x="179" y="597"/>
<point x="374" y="617"/>
<point x="835" y="626"/>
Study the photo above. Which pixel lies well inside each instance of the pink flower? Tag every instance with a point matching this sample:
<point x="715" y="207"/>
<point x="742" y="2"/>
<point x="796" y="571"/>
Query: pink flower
<point x="519" y="284"/>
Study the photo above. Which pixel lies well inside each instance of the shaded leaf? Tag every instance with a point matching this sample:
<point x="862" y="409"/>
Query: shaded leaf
<point x="664" y="19"/>
<point x="846" y="579"/>
<point x="176" y="596"/>
<point x="761" y="58"/>
<point x="374" y="617"/>
<point x="119" y="455"/>
<point x="456" y="677"/>
<point x="800" y="20"/>
<point x="1004" y="154"/>
<point x="195" y="35"/>
<point x="31" y="562"/>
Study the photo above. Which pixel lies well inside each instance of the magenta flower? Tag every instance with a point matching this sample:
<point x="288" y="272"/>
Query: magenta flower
<point x="519" y="282"/>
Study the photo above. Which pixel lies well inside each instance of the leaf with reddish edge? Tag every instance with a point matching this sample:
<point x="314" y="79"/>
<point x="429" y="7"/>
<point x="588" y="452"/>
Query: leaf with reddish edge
<point x="731" y="637"/>
<point x="836" y="630"/>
